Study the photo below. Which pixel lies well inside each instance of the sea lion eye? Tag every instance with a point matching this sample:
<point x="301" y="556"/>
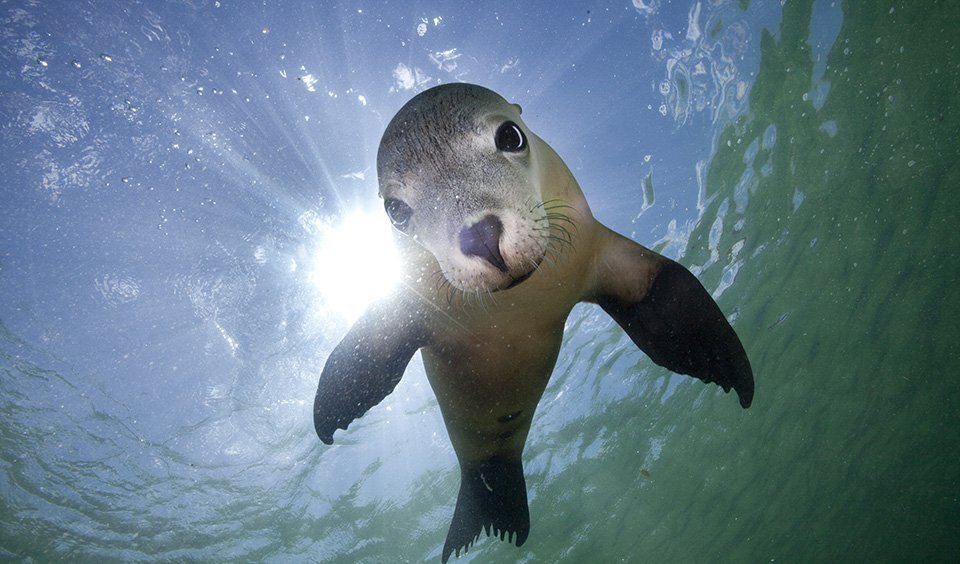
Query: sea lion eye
<point x="510" y="138"/>
<point x="398" y="212"/>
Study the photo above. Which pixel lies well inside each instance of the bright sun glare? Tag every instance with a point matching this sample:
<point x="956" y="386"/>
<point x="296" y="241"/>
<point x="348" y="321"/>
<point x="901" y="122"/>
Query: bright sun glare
<point x="355" y="263"/>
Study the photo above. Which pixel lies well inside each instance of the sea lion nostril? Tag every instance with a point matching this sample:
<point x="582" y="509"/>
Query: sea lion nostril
<point x="482" y="239"/>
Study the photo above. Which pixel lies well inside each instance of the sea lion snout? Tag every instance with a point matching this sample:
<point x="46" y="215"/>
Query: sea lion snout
<point x="482" y="239"/>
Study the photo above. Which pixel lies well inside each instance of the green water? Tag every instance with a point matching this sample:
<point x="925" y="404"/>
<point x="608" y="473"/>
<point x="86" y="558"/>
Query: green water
<point x="846" y="303"/>
<point x="853" y="450"/>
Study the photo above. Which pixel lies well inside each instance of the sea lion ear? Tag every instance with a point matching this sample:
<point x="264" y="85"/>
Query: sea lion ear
<point x="519" y="109"/>
<point x="672" y="318"/>
<point x="365" y="367"/>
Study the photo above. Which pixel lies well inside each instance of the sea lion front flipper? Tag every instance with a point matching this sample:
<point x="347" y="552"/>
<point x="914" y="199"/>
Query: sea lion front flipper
<point x="671" y="316"/>
<point x="493" y="497"/>
<point x="365" y="367"/>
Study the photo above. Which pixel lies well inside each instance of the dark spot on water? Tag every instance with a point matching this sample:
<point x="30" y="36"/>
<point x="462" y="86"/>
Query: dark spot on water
<point x="716" y="30"/>
<point x="682" y="88"/>
<point x="644" y="472"/>
<point x="509" y="418"/>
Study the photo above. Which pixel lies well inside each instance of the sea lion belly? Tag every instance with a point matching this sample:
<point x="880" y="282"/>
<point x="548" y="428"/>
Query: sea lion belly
<point x="488" y="378"/>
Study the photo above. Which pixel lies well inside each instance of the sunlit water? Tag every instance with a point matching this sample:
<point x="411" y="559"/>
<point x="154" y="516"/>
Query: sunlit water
<point x="176" y="178"/>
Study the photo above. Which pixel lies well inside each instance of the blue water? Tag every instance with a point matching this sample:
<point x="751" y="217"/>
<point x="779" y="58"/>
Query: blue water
<point x="171" y="172"/>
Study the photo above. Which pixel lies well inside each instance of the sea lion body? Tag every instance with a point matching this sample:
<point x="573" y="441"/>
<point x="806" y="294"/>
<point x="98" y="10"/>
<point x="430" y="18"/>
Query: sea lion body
<point x="499" y="244"/>
<point x="491" y="355"/>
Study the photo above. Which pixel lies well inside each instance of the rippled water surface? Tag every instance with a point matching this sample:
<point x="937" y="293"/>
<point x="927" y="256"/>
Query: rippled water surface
<point x="178" y="179"/>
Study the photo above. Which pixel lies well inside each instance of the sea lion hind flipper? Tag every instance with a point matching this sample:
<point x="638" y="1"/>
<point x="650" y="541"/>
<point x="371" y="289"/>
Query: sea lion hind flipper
<point x="493" y="498"/>
<point x="364" y="367"/>
<point x="677" y="324"/>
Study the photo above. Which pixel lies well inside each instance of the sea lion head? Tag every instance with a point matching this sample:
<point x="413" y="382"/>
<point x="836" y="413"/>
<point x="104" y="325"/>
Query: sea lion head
<point x="457" y="172"/>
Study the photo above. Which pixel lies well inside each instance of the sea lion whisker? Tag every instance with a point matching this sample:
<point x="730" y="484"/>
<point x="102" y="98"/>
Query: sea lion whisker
<point x="559" y="215"/>
<point x="525" y="207"/>
<point x="478" y="296"/>
<point x="564" y="218"/>
<point x="449" y="291"/>
<point x="553" y="250"/>
<point x="557" y="203"/>
<point x="562" y="241"/>
<point x="560" y="227"/>
<point x="438" y="280"/>
<point x="538" y="264"/>
<point x="560" y="207"/>
<point x="548" y="203"/>
<point x="560" y="233"/>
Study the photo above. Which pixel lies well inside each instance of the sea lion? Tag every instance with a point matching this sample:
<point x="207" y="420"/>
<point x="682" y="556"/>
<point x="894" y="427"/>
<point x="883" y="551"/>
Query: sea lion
<point x="498" y="245"/>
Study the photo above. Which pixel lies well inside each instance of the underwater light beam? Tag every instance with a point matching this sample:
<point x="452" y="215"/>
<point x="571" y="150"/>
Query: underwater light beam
<point x="355" y="263"/>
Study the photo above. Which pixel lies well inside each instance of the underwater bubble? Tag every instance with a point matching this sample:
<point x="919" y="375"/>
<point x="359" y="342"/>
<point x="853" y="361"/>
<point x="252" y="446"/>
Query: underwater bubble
<point x="769" y="137"/>
<point x="751" y="153"/>
<point x="649" y="197"/>
<point x="118" y="289"/>
<point x="797" y="199"/>
<point x="829" y="127"/>
<point x="648" y="7"/>
<point x="309" y="81"/>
